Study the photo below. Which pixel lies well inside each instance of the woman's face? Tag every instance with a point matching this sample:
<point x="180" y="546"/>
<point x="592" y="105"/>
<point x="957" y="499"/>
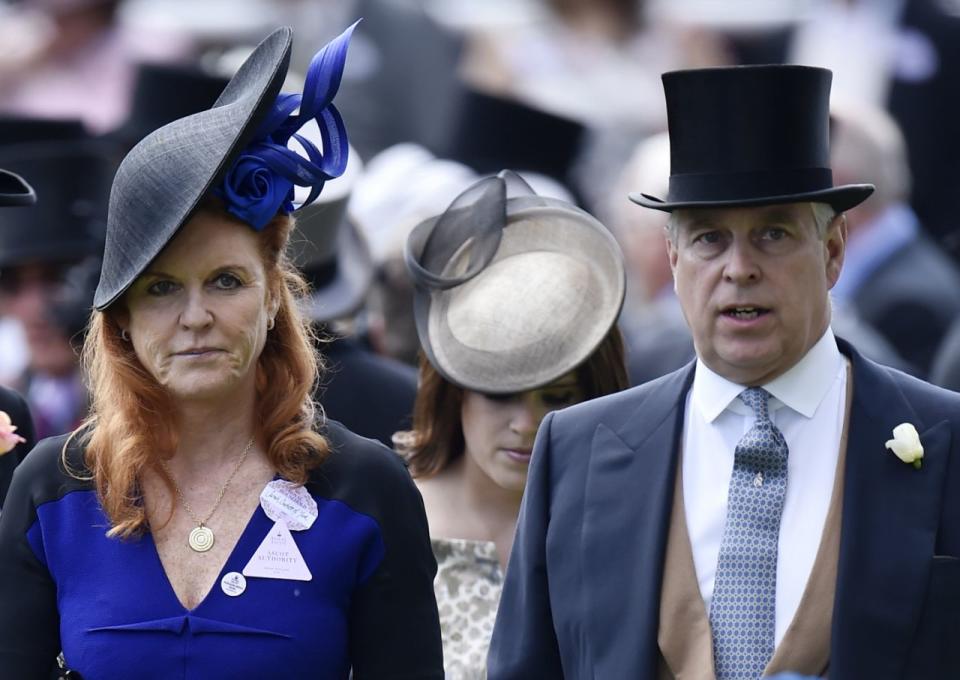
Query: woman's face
<point x="498" y="431"/>
<point x="198" y="316"/>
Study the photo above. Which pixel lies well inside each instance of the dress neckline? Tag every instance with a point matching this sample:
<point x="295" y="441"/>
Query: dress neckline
<point x="242" y="550"/>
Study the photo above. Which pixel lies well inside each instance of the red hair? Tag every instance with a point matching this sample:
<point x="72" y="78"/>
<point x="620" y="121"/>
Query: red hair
<point x="130" y="426"/>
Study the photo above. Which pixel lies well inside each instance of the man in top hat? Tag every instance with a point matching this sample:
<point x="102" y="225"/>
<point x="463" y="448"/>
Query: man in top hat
<point x="780" y="503"/>
<point x="16" y="431"/>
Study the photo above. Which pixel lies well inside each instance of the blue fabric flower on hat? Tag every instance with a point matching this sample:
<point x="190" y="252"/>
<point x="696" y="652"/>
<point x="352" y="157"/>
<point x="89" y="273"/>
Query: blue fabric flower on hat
<point x="260" y="183"/>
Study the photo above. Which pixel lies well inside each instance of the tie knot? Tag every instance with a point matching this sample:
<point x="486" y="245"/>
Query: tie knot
<point x="756" y="398"/>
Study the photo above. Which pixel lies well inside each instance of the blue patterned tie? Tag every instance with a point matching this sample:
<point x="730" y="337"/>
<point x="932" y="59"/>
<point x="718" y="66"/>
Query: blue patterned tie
<point x="743" y="609"/>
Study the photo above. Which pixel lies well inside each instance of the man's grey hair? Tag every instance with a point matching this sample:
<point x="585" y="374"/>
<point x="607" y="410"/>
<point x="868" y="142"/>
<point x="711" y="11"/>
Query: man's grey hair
<point x="823" y="214"/>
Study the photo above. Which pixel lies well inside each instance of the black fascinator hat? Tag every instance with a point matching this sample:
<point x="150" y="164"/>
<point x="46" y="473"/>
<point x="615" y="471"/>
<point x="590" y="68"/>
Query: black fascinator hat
<point x="750" y="136"/>
<point x="237" y="150"/>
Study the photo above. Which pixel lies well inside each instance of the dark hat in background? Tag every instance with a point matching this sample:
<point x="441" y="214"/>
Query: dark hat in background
<point x="14" y="191"/>
<point x="72" y="182"/>
<point x="162" y="180"/>
<point x="492" y="132"/>
<point x="750" y="136"/>
<point x="164" y="92"/>
<point x="513" y="290"/>
<point x="15" y="130"/>
<point x="70" y="308"/>
<point x="331" y="252"/>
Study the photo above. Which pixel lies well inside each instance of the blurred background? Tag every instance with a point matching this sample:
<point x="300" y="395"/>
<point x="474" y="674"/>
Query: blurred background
<point x="439" y="92"/>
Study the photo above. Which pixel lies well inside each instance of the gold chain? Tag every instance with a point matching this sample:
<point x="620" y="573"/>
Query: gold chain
<point x="223" y="489"/>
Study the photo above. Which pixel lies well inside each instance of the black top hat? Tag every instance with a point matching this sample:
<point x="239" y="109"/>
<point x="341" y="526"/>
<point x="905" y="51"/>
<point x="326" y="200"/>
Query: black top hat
<point x="73" y="182"/>
<point x="14" y="191"/>
<point x="750" y="136"/>
<point x="163" y="93"/>
<point x="16" y="130"/>
<point x="491" y="133"/>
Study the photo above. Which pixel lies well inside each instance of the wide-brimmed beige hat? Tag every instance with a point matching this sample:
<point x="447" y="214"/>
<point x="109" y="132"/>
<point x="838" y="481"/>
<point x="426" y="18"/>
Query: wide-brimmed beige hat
<point x="513" y="290"/>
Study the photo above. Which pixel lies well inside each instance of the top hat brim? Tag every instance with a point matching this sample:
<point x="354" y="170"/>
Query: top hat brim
<point x="14" y="190"/>
<point x="164" y="178"/>
<point x="840" y="198"/>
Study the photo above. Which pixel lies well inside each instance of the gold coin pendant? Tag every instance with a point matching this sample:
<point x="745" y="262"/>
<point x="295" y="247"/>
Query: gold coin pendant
<point x="201" y="539"/>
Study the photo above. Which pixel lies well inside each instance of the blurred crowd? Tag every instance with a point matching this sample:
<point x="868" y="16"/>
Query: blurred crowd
<point x="439" y="92"/>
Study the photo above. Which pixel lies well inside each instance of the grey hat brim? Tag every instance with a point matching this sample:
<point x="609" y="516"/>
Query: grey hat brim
<point x="840" y="198"/>
<point x="162" y="180"/>
<point x="539" y="309"/>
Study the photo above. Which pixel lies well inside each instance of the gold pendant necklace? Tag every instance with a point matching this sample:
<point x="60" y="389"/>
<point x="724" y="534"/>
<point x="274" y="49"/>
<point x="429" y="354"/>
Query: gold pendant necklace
<point x="201" y="537"/>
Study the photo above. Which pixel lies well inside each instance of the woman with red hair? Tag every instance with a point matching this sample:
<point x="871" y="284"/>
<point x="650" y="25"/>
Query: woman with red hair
<point x="204" y="521"/>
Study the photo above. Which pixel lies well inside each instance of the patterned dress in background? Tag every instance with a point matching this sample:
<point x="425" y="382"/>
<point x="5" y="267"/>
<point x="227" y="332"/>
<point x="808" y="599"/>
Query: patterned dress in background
<point x="468" y="585"/>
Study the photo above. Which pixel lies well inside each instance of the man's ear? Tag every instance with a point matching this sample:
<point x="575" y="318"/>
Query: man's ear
<point x="835" y="248"/>
<point x="672" y="253"/>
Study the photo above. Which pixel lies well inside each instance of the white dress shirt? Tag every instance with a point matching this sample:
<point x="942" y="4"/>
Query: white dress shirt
<point x="807" y="405"/>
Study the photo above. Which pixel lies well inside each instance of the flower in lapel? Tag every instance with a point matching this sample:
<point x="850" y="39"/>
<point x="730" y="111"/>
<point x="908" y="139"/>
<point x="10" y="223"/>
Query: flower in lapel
<point x="906" y="444"/>
<point x="8" y="434"/>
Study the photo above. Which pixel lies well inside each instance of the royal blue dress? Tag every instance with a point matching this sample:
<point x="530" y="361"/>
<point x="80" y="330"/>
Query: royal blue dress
<point x="108" y="605"/>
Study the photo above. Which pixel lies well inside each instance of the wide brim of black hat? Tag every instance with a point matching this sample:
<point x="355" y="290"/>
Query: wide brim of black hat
<point x="841" y="199"/>
<point x="61" y="252"/>
<point x="163" y="180"/>
<point x="14" y="190"/>
<point x="340" y="287"/>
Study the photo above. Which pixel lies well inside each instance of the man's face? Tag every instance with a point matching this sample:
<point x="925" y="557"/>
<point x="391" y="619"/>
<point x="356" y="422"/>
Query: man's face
<point x="753" y="284"/>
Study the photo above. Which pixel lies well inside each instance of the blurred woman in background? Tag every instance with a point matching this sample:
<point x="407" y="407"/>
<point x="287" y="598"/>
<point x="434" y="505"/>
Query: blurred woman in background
<point x="516" y="303"/>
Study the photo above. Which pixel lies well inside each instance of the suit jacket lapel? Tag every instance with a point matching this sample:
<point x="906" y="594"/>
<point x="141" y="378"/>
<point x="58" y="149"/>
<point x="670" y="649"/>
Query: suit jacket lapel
<point x="890" y="518"/>
<point x="627" y="503"/>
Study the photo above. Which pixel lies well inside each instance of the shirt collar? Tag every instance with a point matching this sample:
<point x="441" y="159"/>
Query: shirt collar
<point x="802" y="388"/>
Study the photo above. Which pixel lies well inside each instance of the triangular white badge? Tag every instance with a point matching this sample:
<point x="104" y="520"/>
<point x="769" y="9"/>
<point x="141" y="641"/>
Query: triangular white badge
<point x="278" y="557"/>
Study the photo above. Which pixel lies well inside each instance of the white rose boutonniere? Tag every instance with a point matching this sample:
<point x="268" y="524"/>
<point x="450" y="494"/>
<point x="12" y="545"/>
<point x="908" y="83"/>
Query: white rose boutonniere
<point x="906" y="444"/>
